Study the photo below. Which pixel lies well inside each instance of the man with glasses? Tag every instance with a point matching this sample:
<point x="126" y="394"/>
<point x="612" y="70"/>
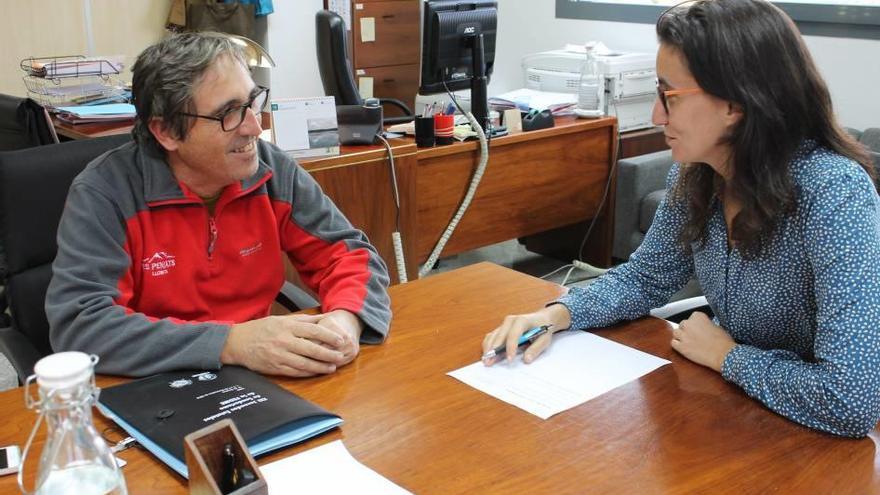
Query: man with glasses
<point x="170" y="248"/>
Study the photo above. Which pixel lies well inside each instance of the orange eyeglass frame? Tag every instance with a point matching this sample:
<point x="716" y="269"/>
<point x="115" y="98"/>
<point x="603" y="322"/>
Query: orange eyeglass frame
<point x="663" y="95"/>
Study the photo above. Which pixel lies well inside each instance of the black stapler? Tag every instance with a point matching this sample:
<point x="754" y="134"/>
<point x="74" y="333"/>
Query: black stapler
<point x="535" y="119"/>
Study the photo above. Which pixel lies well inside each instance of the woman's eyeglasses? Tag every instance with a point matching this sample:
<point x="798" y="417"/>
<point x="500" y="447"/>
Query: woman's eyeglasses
<point x="232" y="118"/>
<point x="663" y="95"/>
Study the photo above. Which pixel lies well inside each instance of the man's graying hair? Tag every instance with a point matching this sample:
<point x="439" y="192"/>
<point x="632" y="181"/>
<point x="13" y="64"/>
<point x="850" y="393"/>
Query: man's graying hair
<point x="164" y="76"/>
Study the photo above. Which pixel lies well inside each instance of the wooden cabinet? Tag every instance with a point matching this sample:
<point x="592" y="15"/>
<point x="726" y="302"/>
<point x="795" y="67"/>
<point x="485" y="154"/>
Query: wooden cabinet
<point x="385" y="47"/>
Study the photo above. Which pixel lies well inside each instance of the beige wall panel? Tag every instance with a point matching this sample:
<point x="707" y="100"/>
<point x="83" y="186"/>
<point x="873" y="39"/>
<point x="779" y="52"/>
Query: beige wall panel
<point x="126" y="27"/>
<point x="37" y="28"/>
<point x="56" y="27"/>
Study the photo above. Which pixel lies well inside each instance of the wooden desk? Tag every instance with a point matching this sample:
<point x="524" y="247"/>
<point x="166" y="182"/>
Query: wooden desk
<point x="534" y="182"/>
<point x="634" y="143"/>
<point x="544" y="187"/>
<point x="88" y="131"/>
<point x="680" y="429"/>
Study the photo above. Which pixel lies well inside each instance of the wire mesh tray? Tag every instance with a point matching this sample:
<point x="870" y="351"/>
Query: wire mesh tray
<point x="71" y="66"/>
<point x="74" y="79"/>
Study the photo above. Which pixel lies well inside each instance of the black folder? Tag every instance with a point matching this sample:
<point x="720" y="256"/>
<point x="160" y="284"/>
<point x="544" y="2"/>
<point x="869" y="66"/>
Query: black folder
<point x="158" y="411"/>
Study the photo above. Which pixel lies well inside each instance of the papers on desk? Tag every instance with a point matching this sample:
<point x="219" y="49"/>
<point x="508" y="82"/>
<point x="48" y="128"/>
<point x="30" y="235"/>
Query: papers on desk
<point x="96" y="113"/>
<point x="328" y="469"/>
<point x="578" y="366"/>
<point x="526" y="99"/>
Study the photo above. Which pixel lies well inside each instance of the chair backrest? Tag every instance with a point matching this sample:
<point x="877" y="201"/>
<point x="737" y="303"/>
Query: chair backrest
<point x="870" y="138"/>
<point x="333" y="62"/>
<point x="33" y="188"/>
<point x="23" y="124"/>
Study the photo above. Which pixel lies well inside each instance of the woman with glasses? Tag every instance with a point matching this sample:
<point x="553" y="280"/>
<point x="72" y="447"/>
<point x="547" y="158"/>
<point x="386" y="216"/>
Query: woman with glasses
<point x="771" y="206"/>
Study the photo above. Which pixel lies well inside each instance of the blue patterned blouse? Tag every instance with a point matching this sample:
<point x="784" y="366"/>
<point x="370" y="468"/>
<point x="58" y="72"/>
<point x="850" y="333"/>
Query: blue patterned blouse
<point x="805" y="316"/>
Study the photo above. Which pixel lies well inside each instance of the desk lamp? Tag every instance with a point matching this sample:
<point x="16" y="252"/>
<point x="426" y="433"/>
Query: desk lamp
<point x="255" y="55"/>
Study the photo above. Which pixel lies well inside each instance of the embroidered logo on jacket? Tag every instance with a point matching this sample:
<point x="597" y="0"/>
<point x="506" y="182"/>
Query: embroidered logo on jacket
<point x="251" y="250"/>
<point x="158" y="264"/>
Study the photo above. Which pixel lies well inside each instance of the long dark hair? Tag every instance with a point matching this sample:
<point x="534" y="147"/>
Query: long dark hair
<point x="749" y="53"/>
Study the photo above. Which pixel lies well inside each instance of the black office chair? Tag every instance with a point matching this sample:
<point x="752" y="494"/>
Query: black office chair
<point x="33" y="189"/>
<point x="335" y="67"/>
<point x="24" y="123"/>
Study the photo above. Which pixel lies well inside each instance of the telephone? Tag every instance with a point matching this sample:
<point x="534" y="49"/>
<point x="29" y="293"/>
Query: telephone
<point x="359" y="124"/>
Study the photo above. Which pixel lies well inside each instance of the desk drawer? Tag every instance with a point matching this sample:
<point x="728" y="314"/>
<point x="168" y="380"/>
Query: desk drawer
<point x="396" y="33"/>
<point x="530" y="186"/>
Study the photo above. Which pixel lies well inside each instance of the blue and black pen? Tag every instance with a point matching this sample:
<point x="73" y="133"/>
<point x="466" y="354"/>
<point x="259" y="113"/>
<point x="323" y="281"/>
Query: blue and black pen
<point x="526" y="338"/>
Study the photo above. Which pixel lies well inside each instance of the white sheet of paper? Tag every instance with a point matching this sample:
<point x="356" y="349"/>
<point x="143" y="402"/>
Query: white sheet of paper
<point x="365" y="87"/>
<point x="328" y="469"/>
<point x="576" y="368"/>
<point x="368" y="29"/>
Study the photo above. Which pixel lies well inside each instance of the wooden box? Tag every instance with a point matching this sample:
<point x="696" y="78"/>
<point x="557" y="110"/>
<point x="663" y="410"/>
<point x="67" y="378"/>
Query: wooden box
<point x="204" y="460"/>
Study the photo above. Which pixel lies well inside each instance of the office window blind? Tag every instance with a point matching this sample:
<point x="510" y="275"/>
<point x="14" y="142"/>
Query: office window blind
<point x="843" y="18"/>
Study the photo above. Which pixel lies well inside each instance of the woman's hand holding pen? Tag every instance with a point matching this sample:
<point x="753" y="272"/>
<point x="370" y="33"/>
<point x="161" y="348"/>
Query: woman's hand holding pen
<point x="555" y="316"/>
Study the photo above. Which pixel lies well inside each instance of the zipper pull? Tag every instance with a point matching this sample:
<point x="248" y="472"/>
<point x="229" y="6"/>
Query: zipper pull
<point x="212" y="235"/>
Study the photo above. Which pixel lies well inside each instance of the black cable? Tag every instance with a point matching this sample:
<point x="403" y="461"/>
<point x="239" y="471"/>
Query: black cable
<point x="488" y="132"/>
<point x="611" y="172"/>
<point x="394" y="189"/>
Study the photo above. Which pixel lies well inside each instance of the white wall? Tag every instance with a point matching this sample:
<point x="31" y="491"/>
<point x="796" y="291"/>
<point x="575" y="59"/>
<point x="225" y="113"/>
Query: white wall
<point x="850" y="66"/>
<point x="292" y="45"/>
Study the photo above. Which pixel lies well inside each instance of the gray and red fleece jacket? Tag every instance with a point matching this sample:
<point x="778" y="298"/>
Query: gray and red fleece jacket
<point x="150" y="281"/>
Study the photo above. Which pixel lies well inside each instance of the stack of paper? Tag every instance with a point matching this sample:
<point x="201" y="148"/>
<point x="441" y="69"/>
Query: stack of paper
<point x="526" y="99"/>
<point x="96" y="113"/>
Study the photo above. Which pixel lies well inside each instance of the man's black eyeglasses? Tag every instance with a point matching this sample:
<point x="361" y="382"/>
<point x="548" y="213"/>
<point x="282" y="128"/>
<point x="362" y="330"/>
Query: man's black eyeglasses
<point x="231" y="118"/>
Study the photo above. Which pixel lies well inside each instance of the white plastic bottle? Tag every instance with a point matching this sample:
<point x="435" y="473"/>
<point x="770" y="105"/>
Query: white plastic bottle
<point x="589" y="87"/>
<point x="75" y="459"/>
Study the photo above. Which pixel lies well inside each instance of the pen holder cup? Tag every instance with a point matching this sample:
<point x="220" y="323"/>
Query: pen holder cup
<point x="444" y="126"/>
<point x="204" y="450"/>
<point x="424" y="132"/>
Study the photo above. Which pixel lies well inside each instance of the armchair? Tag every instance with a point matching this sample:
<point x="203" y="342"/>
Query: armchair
<point x="870" y="138"/>
<point x="33" y="188"/>
<point x="641" y="183"/>
<point x="641" y="186"/>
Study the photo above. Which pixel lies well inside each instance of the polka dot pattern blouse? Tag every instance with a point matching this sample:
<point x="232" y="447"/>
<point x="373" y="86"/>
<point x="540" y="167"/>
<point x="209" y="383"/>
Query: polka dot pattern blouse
<point x="805" y="315"/>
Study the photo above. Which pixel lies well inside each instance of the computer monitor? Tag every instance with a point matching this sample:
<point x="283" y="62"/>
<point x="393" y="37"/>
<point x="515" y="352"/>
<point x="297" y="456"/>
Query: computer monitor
<point x="458" y="48"/>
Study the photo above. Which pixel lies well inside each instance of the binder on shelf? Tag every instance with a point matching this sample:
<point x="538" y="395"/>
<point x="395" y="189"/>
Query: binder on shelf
<point x="159" y="411"/>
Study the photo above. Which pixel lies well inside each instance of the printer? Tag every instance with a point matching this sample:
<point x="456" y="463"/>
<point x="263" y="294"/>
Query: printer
<point x="629" y="80"/>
